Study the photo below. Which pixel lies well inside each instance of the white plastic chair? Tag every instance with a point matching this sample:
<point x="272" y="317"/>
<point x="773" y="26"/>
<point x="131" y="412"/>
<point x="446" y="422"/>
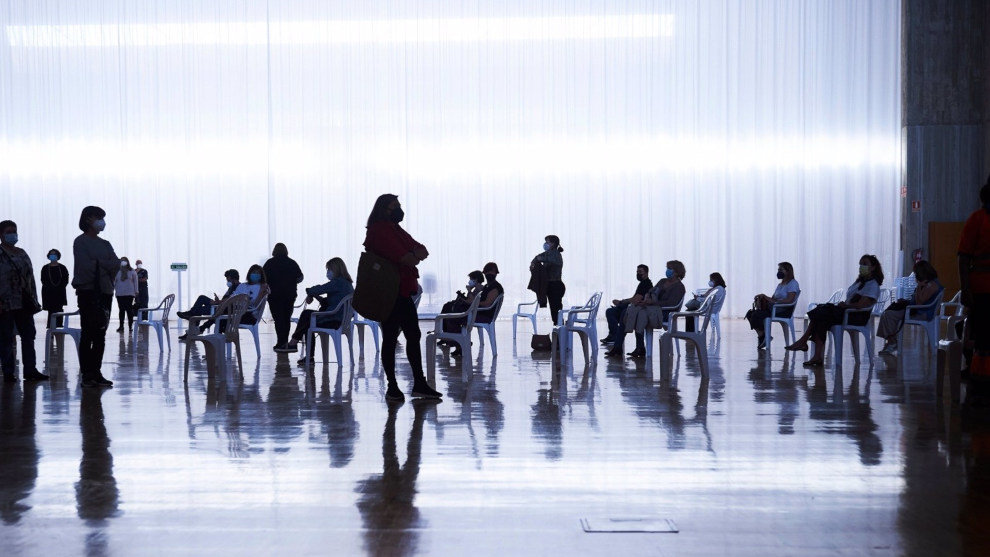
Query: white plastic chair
<point x="582" y="321"/>
<point x="489" y="327"/>
<point x="145" y="319"/>
<point x="696" y="337"/>
<point x="231" y="309"/>
<point x="359" y="324"/>
<point x="716" y="312"/>
<point x="462" y="337"/>
<point x="526" y="315"/>
<point x="648" y="333"/>
<point x="867" y="330"/>
<point x="929" y="325"/>
<point x="786" y="323"/>
<point x="345" y="329"/>
<point x="64" y="330"/>
<point x="950" y="309"/>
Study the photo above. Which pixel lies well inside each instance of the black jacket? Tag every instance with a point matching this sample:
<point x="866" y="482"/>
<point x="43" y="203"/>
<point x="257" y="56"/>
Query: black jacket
<point x="283" y="274"/>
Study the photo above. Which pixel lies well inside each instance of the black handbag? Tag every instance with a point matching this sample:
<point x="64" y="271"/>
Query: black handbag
<point x="376" y="287"/>
<point x="541" y="343"/>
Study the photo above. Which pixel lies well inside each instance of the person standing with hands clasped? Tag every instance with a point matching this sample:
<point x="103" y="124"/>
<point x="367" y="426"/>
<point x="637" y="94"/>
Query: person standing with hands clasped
<point x="386" y="239"/>
<point x="125" y="285"/>
<point x="93" y="273"/>
<point x="54" y="280"/>
<point x="142" y="275"/>
<point x="18" y="304"/>
<point x="546" y="270"/>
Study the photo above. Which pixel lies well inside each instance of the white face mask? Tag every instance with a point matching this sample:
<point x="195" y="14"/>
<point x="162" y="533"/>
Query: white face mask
<point x="140" y="266"/>
<point x="123" y="263"/>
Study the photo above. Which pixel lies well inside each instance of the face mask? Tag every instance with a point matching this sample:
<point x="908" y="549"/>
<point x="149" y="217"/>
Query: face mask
<point x="781" y="275"/>
<point x="546" y="246"/>
<point x="329" y="275"/>
<point x="229" y="284"/>
<point x="140" y="266"/>
<point x="10" y="238"/>
<point x="397" y="215"/>
<point x="53" y="257"/>
<point x="100" y="225"/>
<point x="670" y="273"/>
<point x="471" y="283"/>
<point x="711" y="284"/>
<point x="123" y="263"/>
<point x="639" y="277"/>
<point x="254" y="277"/>
<point x="490" y="278"/>
<point x="864" y="270"/>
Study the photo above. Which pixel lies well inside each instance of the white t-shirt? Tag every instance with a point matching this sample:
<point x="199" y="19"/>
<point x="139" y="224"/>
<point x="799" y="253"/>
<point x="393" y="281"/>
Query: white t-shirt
<point x="869" y="290"/>
<point x="784" y="290"/>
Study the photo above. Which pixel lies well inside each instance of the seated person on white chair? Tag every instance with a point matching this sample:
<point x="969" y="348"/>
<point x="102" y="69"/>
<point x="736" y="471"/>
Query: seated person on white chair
<point x="462" y="301"/>
<point x="339" y="285"/>
<point x="204" y="305"/>
<point x="489" y="293"/>
<point x="892" y="318"/>
<point x="614" y="315"/>
<point x="667" y="292"/>
<point x="861" y="295"/>
<point x="785" y="293"/>
<point x="716" y="287"/>
<point x="256" y="288"/>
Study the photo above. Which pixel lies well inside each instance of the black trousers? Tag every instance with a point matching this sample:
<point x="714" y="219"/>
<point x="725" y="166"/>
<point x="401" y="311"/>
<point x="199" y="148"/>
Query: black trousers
<point x="302" y="327"/>
<point x="555" y="298"/>
<point x="125" y="306"/>
<point x="282" y="317"/>
<point x="94" y="317"/>
<point x="824" y="317"/>
<point x="14" y="323"/>
<point x="405" y="319"/>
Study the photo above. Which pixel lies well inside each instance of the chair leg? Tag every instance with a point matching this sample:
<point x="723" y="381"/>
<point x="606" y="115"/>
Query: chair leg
<point x="532" y="320"/>
<point x="309" y="349"/>
<point x="360" y="335"/>
<point x="514" y="318"/>
<point x="257" y="341"/>
<point x="158" y="331"/>
<point x="168" y="337"/>
<point x="837" y="346"/>
<point x="491" y="337"/>
<point x="185" y="376"/>
<point x="648" y="341"/>
<point x="431" y="357"/>
<point x="374" y="333"/>
<point x="350" y="347"/>
<point x="854" y="343"/>
<point x="702" y="357"/>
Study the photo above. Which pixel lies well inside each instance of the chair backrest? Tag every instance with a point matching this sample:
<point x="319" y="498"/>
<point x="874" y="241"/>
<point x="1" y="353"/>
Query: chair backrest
<point x="706" y="310"/>
<point x="792" y="305"/>
<point x="346" y="310"/>
<point x="496" y="307"/>
<point x="881" y="302"/>
<point x="472" y="313"/>
<point x="166" y="306"/>
<point x="665" y="311"/>
<point x="934" y="305"/>
<point x="905" y="286"/>
<point x="233" y="308"/>
<point x="255" y="307"/>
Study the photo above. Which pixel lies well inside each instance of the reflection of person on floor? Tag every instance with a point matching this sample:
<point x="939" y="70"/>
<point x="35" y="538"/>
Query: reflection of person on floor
<point x="545" y="415"/>
<point x="19" y="469"/>
<point x="97" y="496"/>
<point x="387" y="500"/>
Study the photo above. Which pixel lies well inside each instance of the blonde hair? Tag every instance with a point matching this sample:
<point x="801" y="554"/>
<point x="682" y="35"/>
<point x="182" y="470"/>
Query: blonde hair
<point x="339" y="269"/>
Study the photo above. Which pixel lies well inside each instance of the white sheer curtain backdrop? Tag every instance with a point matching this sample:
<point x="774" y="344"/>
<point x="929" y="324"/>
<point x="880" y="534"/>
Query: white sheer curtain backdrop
<point x="730" y="135"/>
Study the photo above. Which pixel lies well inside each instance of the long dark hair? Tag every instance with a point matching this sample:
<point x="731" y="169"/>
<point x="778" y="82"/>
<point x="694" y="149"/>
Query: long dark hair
<point x="923" y="270"/>
<point x="877" y="270"/>
<point x="717" y="279"/>
<point x="261" y="272"/>
<point x="379" y="212"/>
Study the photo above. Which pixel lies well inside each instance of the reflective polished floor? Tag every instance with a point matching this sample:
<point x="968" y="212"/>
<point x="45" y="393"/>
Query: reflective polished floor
<point x="762" y="457"/>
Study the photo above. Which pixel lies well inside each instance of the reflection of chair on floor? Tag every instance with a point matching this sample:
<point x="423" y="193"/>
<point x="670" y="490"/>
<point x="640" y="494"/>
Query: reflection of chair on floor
<point x="231" y="310"/>
<point x="346" y="311"/>
<point x="64" y="330"/>
<point x="698" y="337"/>
<point x="145" y="319"/>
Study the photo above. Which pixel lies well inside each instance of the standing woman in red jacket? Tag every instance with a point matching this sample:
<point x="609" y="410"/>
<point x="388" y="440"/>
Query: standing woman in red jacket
<point x="385" y="238"/>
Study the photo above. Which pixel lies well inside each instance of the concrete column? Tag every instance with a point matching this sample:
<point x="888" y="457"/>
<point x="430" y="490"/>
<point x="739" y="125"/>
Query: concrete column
<point x="945" y="64"/>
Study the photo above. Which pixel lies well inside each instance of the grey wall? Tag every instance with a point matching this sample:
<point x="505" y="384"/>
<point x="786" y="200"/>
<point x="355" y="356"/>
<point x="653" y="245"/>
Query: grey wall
<point x="945" y="65"/>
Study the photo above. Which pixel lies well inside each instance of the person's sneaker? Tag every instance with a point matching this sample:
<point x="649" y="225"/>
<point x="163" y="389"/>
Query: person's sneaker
<point x="98" y="381"/>
<point x="34" y="375"/>
<point x="423" y="390"/>
<point x="183" y="336"/>
<point x="288" y="348"/>
<point x="394" y="394"/>
<point x="888" y="350"/>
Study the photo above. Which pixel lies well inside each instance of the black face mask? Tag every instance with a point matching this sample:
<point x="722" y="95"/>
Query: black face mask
<point x="396" y="215"/>
<point x="639" y="277"/>
<point x="781" y="275"/>
<point x="490" y="278"/>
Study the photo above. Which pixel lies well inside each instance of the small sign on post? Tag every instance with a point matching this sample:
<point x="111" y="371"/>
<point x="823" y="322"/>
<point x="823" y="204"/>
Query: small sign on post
<point x="915" y="206"/>
<point x="179" y="268"/>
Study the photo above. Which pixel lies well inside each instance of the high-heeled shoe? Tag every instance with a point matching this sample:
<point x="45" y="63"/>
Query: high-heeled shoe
<point x="813" y="363"/>
<point x="797" y="347"/>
